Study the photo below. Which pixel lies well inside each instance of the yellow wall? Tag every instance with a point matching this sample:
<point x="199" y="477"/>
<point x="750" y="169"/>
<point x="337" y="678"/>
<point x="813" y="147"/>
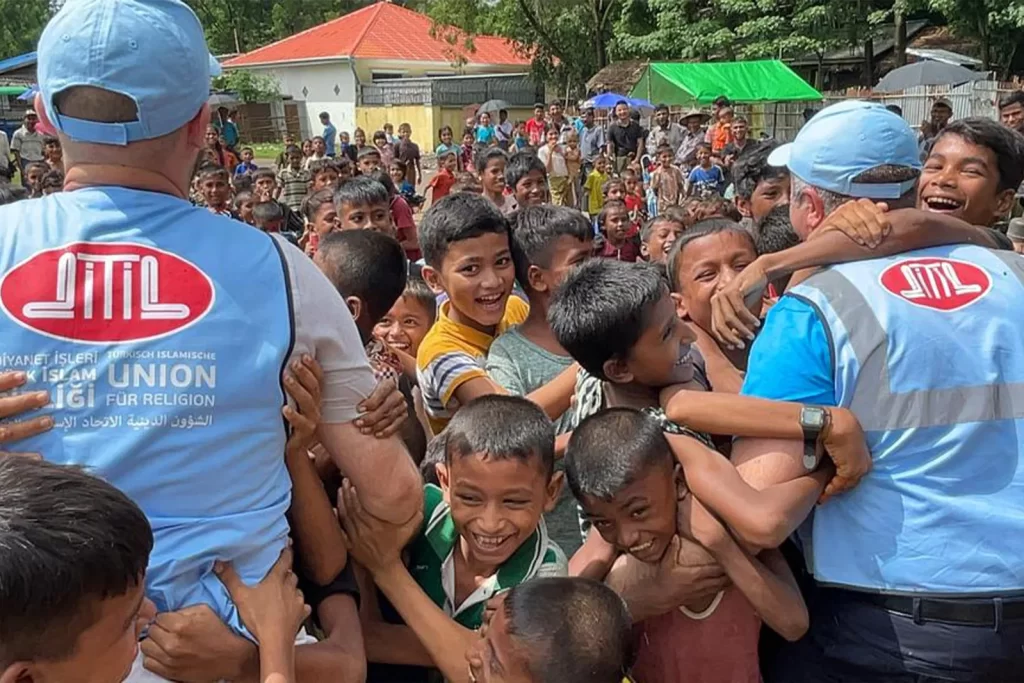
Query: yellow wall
<point x="425" y="121"/>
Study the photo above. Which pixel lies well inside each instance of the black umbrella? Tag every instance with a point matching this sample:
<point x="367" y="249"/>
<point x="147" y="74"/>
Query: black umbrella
<point x="493" y="106"/>
<point x="926" y="72"/>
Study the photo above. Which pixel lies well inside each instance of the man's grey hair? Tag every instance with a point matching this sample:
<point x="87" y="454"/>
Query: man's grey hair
<point x="881" y="174"/>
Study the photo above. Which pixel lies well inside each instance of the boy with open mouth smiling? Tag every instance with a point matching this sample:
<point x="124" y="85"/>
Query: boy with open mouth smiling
<point x="972" y="171"/>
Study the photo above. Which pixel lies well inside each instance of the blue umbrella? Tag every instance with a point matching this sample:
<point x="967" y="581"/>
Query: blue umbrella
<point x="606" y="100"/>
<point x="29" y="94"/>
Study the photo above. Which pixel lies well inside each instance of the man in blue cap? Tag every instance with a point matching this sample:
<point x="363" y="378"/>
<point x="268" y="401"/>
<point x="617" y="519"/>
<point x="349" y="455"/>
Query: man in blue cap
<point x="160" y="330"/>
<point x="919" y="570"/>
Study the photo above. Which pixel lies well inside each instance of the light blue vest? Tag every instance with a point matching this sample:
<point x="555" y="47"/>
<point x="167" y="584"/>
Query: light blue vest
<point x="928" y="352"/>
<point x="161" y="332"/>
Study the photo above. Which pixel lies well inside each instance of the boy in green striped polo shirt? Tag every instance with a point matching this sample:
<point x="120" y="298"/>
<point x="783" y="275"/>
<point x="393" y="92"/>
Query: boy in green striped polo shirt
<point x="482" y="533"/>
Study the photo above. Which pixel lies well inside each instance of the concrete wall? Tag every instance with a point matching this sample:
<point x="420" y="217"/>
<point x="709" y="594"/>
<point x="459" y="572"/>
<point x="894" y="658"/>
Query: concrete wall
<point x="329" y="87"/>
<point x="425" y="121"/>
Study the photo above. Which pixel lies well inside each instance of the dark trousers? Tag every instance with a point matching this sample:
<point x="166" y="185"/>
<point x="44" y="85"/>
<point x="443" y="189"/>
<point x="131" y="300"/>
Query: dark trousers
<point x="850" y="641"/>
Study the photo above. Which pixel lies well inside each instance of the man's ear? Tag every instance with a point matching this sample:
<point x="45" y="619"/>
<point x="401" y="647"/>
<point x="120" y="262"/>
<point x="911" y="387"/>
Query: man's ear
<point x="554" y="491"/>
<point x="644" y="251"/>
<point x="18" y="672"/>
<point x="196" y="128"/>
<point x="433" y="279"/>
<point x="682" y="490"/>
<point x="743" y="206"/>
<point x="355" y="306"/>
<point x="535" y="278"/>
<point x="617" y="371"/>
<point x="681" y="310"/>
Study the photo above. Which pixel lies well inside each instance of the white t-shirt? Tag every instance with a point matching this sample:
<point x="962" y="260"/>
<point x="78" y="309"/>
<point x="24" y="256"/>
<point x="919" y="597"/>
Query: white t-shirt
<point x="558" y="169"/>
<point x="28" y="145"/>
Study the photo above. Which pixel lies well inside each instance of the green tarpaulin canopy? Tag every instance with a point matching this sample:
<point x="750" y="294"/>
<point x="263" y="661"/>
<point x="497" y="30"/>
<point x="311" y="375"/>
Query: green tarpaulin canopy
<point x="692" y="84"/>
<point x="12" y="89"/>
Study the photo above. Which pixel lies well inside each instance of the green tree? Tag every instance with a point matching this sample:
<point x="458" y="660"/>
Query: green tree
<point x="567" y="40"/>
<point x="996" y="25"/>
<point x="248" y="85"/>
<point x="21" y="25"/>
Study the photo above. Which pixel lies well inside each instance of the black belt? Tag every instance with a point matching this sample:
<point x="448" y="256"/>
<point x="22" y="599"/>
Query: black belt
<point x="990" y="611"/>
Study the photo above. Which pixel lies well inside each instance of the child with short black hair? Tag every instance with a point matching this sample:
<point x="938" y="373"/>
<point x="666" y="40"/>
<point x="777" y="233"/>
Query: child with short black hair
<point x="368" y="160"/>
<point x="72" y="579"/>
<point x="706" y="179"/>
<point x="317" y="151"/>
<point x="294" y="179"/>
<point x="759" y="186"/>
<point x="441" y="184"/>
<point x="410" y="318"/>
<point x="52" y="182"/>
<point x="467" y="150"/>
<point x="972" y="171"/>
<point x="465" y="242"/>
<point x="658" y="235"/>
<point x="53" y="153"/>
<point x="490" y="168"/>
<point x="707" y="256"/>
<point x="268" y="216"/>
<point x="34" y="172"/>
<point x="527" y="178"/>
<point x="569" y="630"/>
<point x="593" y="187"/>
<point x="614" y="189"/>
<point x="363" y="204"/>
<point x="247" y="166"/>
<point x="482" y="532"/>
<point x="547" y="242"/>
<point x="214" y="183"/>
<point x="243" y="203"/>
<point x="346" y="170"/>
<point x="618" y="463"/>
<point x="266" y="188"/>
<point x="403" y="223"/>
<point x="369" y="270"/>
<point x="408" y="153"/>
<point x="321" y="219"/>
<point x="634" y="198"/>
<point x="323" y="175"/>
<point x="613" y="222"/>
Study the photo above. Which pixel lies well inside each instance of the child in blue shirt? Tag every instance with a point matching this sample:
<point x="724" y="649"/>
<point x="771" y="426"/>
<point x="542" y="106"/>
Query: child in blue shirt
<point x="247" y="166"/>
<point x="706" y="179"/>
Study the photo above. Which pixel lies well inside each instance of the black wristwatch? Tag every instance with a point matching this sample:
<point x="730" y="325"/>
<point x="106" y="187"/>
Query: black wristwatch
<point x="815" y="423"/>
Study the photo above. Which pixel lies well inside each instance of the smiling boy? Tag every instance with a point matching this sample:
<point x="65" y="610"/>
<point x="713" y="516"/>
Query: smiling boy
<point x="972" y="171"/>
<point x="72" y="575"/>
<point x="465" y="242"/>
<point x="363" y="204"/>
<point x="527" y="176"/>
<point x="482" y="533"/>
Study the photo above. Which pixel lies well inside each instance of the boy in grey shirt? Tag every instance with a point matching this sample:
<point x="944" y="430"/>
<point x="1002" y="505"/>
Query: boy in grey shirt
<point x="547" y="242"/>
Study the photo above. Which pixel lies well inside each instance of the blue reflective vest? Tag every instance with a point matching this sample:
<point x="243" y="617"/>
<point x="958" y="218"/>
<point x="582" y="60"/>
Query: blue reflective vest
<point x="161" y="331"/>
<point x="928" y="351"/>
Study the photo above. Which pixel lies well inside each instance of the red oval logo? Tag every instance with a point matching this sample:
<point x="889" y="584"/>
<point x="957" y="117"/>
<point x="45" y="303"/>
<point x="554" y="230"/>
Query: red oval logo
<point x="106" y="293"/>
<point x="941" y="284"/>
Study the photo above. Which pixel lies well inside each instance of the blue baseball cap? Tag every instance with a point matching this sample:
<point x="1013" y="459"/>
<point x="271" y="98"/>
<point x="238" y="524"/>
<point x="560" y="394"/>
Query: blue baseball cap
<point x="151" y="51"/>
<point x="846" y="139"/>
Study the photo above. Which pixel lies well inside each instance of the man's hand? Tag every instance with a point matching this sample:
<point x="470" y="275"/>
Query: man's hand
<point x="11" y="406"/>
<point x="383" y="411"/>
<point x="302" y="383"/>
<point x="847" y="447"/>
<point x="862" y="220"/>
<point x="273" y="607"/>
<point x="732" y="322"/>
<point x="194" y="646"/>
<point x="375" y="544"/>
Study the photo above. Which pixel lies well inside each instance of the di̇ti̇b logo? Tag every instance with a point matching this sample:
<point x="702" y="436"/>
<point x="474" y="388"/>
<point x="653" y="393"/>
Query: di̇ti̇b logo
<point x="106" y="293"/>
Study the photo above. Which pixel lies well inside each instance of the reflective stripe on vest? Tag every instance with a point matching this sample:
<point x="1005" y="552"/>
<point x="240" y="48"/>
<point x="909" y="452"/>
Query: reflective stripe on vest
<point x="876" y="405"/>
<point x="161" y="332"/>
<point x="928" y="352"/>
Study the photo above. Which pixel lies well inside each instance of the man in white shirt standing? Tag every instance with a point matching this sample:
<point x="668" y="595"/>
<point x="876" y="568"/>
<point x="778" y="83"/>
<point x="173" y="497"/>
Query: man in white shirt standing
<point x="5" y="157"/>
<point x="27" y="143"/>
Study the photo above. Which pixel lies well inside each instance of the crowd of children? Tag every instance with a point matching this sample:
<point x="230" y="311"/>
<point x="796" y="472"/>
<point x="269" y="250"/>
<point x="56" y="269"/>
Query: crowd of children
<point x="548" y="328"/>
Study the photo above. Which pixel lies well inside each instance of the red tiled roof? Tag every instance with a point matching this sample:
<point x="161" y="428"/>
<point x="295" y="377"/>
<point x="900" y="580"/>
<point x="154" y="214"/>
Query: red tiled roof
<point x="379" y="31"/>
